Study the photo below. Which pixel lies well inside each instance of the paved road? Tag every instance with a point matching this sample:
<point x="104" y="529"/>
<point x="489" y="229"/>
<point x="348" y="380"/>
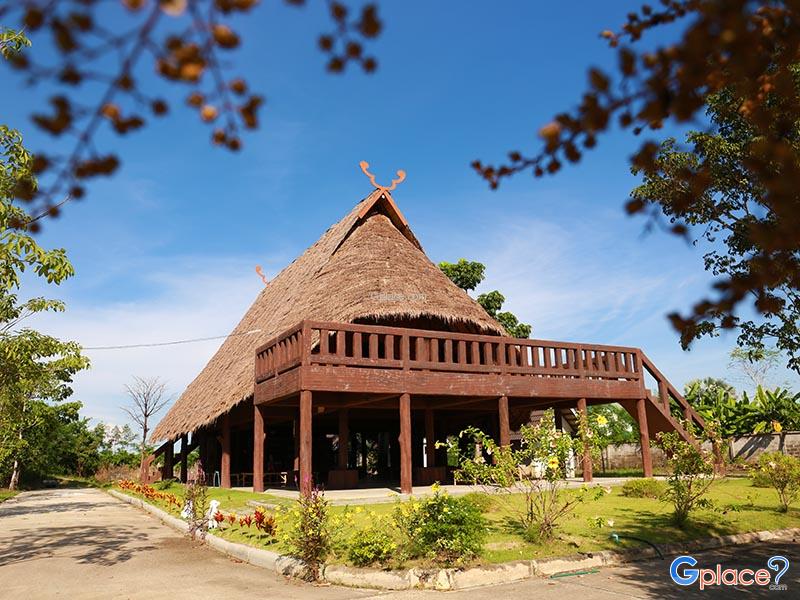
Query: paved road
<point x="85" y="544"/>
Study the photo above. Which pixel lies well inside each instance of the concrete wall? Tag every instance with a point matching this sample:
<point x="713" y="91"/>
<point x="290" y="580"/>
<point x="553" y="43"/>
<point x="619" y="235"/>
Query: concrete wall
<point x="748" y="448"/>
<point x="629" y="456"/>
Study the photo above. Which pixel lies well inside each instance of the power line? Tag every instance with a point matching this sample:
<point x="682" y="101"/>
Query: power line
<point x="171" y="343"/>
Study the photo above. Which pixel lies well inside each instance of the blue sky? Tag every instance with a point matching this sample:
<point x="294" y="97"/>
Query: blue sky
<point x="166" y="248"/>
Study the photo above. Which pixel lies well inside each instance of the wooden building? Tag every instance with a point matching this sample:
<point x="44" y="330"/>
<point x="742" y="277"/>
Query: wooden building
<point x="361" y="353"/>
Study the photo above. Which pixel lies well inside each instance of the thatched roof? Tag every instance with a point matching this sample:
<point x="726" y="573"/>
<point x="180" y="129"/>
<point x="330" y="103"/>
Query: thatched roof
<point x="367" y="267"/>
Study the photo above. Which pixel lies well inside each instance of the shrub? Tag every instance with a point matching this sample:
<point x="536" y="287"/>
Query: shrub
<point x="692" y="473"/>
<point x="195" y="505"/>
<point x="759" y="478"/>
<point x="644" y="488"/>
<point x="483" y="501"/>
<point x="782" y="472"/>
<point x="446" y="530"/>
<point x="371" y="545"/>
<point x="536" y="469"/>
<point x="311" y="533"/>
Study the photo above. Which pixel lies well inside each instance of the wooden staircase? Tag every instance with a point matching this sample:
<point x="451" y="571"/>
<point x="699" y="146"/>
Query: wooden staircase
<point x="669" y="410"/>
<point x="666" y="411"/>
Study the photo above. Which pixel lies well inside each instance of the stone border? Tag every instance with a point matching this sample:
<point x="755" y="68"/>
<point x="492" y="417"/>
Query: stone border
<point x="453" y="579"/>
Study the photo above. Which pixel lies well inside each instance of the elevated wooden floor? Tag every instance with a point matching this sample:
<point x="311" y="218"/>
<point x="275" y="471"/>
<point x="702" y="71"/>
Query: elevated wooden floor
<point x="343" y="366"/>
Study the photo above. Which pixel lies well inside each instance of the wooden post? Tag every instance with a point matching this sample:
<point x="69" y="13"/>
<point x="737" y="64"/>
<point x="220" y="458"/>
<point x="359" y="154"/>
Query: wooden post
<point x="587" y="453"/>
<point x="168" y="462"/>
<point x="663" y="394"/>
<point x="502" y="413"/>
<point x="203" y="445"/>
<point x="344" y="437"/>
<point x="258" y="448"/>
<point x="184" y="456"/>
<point x="405" y="444"/>
<point x="306" y="474"/>
<point x="644" y="437"/>
<point x="430" y="442"/>
<point x="296" y="430"/>
<point x="225" y="462"/>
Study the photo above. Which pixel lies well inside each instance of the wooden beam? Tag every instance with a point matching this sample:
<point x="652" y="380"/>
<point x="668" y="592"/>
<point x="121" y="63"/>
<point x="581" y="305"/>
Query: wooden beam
<point x="462" y="402"/>
<point x="644" y="437"/>
<point x="344" y="437"/>
<point x="587" y="453"/>
<point x="225" y="463"/>
<point x="438" y="383"/>
<point x="405" y="444"/>
<point x="184" y="456"/>
<point x="258" y="448"/>
<point x="306" y="473"/>
<point x="373" y="398"/>
<point x="430" y="440"/>
<point x="502" y="414"/>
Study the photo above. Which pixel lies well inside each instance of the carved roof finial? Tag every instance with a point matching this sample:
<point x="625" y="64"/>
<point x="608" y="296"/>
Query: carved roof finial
<point x="401" y="175"/>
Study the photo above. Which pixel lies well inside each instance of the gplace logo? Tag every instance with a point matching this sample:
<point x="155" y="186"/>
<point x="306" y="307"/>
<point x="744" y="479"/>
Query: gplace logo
<point x="683" y="573"/>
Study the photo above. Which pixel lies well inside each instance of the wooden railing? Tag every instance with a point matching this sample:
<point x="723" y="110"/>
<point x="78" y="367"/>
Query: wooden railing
<point x="671" y="400"/>
<point x="372" y="346"/>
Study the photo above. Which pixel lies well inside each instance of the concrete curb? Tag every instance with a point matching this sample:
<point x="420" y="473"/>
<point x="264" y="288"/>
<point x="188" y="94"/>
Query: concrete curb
<point x="453" y="579"/>
<point x="266" y="559"/>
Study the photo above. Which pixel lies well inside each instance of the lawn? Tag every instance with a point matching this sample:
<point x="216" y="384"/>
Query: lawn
<point x="6" y="494"/>
<point x="230" y="500"/>
<point x="740" y="508"/>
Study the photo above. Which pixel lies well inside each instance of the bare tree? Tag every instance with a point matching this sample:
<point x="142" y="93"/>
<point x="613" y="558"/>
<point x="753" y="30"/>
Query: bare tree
<point x="147" y="397"/>
<point x="755" y="364"/>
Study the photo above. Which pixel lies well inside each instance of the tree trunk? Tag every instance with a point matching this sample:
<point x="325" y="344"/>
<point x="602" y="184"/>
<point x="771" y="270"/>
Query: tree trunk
<point x="142" y="474"/>
<point x="144" y="441"/>
<point x="12" y="485"/>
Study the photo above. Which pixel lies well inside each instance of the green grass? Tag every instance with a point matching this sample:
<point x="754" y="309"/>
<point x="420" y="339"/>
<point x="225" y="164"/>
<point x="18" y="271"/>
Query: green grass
<point x="230" y="500"/>
<point x="740" y="508"/>
<point x="628" y="472"/>
<point x="6" y="494"/>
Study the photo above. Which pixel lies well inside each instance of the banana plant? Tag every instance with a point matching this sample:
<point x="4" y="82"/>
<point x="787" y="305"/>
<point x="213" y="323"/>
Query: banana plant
<point x="770" y="411"/>
<point x="717" y="403"/>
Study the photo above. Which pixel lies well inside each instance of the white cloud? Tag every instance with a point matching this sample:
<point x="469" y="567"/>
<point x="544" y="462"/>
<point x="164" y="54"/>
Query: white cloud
<point x="189" y="298"/>
<point x="571" y="284"/>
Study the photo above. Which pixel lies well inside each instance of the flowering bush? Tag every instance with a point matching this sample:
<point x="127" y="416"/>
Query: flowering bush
<point x="692" y="473"/>
<point x="536" y="470"/>
<point x="448" y="531"/>
<point x="149" y="492"/>
<point x="371" y="545"/>
<point x="195" y="506"/>
<point x="263" y="522"/>
<point x="781" y="472"/>
<point x="312" y="532"/>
